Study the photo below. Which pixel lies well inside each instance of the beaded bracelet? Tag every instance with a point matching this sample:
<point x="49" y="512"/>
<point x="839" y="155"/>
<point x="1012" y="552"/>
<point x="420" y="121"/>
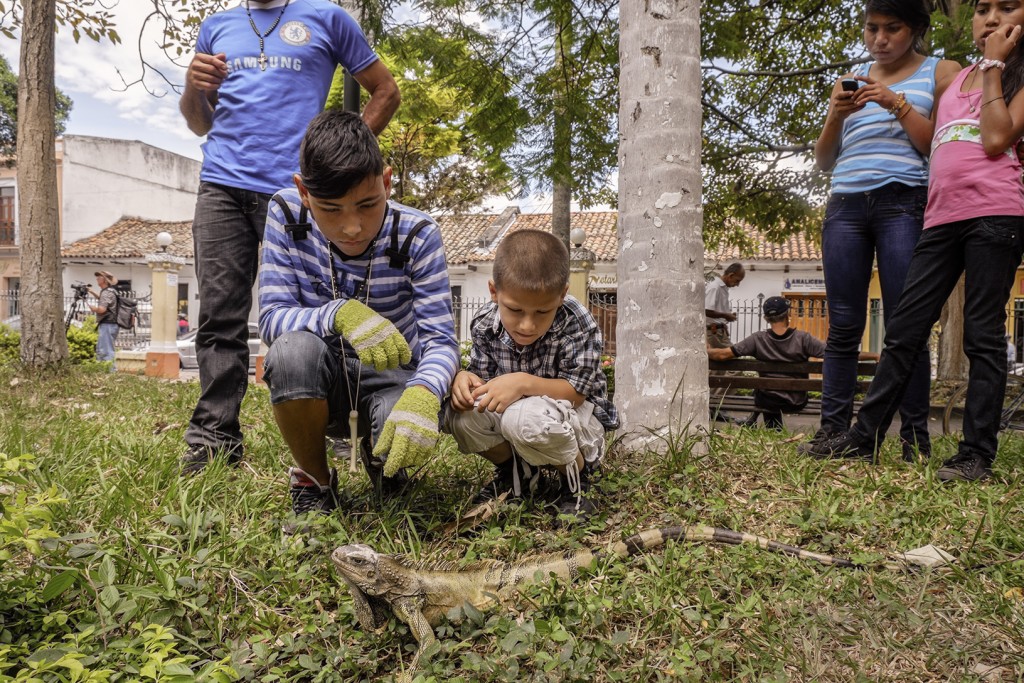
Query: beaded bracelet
<point x="901" y="99"/>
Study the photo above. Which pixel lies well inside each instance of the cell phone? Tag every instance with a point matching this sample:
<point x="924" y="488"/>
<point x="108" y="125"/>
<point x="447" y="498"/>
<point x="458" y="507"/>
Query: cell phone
<point x="850" y="84"/>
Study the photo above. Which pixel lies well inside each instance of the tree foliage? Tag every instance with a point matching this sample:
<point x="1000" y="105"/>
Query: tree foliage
<point x="768" y="69"/>
<point x="9" y="111"/>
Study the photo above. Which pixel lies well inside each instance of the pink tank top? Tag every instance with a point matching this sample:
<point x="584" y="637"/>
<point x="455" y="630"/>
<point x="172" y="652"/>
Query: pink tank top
<point x="964" y="182"/>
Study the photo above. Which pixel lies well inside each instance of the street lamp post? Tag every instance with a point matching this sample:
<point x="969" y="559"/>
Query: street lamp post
<point x="162" y="358"/>
<point x="581" y="262"/>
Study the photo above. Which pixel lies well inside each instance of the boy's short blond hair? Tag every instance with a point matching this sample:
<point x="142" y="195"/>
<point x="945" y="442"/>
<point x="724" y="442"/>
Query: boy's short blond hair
<point x="531" y="260"/>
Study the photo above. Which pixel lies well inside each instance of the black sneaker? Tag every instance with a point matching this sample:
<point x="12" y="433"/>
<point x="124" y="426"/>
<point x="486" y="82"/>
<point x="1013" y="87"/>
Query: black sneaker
<point x="198" y="456"/>
<point x="819" y="436"/>
<point x="964" y="466"/>
<point x="579" y="505"/>
<point x="503" y="482"/>
<point x="309" y="495"/>
<point x="842" y="446"/>
<point x="915" y="453"/>
<point x="384" y="487"/>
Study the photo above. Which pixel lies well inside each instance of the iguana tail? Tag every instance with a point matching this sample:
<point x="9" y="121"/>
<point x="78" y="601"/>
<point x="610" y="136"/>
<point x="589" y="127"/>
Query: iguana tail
<point x="653" y="538"/>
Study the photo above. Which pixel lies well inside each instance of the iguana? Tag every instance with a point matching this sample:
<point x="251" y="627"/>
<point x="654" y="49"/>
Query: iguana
<point x="421" y="595"/>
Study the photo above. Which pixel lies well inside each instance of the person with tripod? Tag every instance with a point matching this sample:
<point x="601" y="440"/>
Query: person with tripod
<point x="106" y="316"/>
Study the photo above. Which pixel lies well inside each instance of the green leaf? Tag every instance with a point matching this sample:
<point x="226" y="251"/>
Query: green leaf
<point x="58" y="584"/>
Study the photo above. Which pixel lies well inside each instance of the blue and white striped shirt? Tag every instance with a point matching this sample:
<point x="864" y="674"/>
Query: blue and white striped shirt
<point x="875" y="149"/>
<point x="295" y="289"/>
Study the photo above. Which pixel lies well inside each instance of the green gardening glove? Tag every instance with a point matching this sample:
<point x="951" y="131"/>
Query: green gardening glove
<point x="377" y="342"/>
<point x="410" y="432"/>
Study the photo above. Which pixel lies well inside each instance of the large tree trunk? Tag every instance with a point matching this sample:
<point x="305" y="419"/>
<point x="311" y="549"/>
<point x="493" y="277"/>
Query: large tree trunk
<point x="561" y="197"/>
<point x="43" y="340"/>
<point x="952" y="361"/>
<point x="661" y="370"/>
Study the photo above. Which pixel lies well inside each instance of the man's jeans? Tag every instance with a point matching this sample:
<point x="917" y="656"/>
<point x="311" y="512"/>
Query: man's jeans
<point x="105" y="342"/>
<point x="301" y="365"/>
<point x="988" y="251"/>
<point x="883" y="223"/>
<point x="227" y="232"/>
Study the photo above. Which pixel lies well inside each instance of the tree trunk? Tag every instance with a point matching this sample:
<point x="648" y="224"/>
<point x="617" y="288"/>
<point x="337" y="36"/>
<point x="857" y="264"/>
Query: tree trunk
<point x="561" y="197"/>
<point x="43" y="339"/>
<point x="952" y="361"/>
<point x="661" y="371"/>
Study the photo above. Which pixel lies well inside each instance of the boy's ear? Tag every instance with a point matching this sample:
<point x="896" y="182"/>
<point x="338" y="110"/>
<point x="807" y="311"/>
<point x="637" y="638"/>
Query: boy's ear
<point x="492" y="290"/>
<point x="303" y="192"/>
<point x="386" y="175"/>
<point x="566" y="291"/>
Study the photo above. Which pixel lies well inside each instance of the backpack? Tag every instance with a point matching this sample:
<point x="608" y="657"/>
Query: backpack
<point x="125" y="312"/>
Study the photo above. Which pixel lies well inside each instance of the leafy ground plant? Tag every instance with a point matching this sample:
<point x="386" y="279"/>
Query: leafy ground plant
<point x="113" y="568"/>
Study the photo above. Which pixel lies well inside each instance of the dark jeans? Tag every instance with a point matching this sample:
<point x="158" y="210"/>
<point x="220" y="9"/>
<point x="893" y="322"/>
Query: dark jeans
<point x="987" y="251"/>
<point x="882" y="224"/>
<point x="226" y="232"/>
<point x="300" y="365"/>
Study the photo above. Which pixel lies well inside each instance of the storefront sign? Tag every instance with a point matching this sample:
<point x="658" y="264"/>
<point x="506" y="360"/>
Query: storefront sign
<point x="804" y="284"/>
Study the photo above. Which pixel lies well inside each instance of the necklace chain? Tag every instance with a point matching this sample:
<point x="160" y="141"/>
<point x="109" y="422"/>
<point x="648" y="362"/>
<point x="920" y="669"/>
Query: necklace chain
<point x="972" y="106"/>
<point x="263" y="58"/>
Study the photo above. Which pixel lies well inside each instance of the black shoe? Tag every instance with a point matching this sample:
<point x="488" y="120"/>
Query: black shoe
<point x="504" y="481"/>
<point x="198" y="456"/>
<point x="819" y="436"/>
<point x="309" y="495"/>
<point x="915" y="453"/>
<point x="384" y="487"/>
<point x="964" y="466"/>
<point x="576" y="506"/>
<point x="844" y="445"/>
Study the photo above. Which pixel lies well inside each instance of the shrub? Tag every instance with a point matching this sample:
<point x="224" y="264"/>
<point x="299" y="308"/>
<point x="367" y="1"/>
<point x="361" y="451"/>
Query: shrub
<point x="81" y="343"/>
<point x="608" y="367"/>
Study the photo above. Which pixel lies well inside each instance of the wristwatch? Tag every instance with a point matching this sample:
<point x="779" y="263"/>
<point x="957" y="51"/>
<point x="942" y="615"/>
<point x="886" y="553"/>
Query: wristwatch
<point x="986" y="64"/>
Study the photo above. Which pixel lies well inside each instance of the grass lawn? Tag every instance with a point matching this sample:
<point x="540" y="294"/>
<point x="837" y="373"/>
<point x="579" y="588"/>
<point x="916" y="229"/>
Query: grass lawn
<point x="152" y="577"/>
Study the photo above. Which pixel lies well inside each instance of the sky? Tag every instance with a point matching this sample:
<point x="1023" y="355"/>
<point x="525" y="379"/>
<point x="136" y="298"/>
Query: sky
<point x="88" y="73"/>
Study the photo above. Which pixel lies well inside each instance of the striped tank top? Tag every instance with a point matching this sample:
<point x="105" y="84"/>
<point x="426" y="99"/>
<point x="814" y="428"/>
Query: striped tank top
<point x="875" y="150"/>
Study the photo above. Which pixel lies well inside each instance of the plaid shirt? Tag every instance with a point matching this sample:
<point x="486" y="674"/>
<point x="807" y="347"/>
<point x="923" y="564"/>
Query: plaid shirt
<point x="570" y="350"/>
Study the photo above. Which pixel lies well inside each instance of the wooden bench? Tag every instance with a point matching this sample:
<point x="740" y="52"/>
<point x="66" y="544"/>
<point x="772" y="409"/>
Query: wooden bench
<point x="746" y="377"/>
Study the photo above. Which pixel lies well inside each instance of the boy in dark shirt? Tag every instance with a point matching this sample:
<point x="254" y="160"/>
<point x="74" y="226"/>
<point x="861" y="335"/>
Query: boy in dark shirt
<point x="778" y="343"/>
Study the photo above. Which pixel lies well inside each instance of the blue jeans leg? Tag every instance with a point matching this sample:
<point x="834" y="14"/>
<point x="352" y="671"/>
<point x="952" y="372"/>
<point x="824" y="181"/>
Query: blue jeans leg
<point x="884" y="224"/>
<point x="105" y="342"/>
<point x="301" y="365"/>
<point x="227" y="232"/>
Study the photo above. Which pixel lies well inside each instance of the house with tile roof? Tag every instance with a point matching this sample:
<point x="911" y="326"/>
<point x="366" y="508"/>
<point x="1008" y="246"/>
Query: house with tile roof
<point x="100" y="180"/>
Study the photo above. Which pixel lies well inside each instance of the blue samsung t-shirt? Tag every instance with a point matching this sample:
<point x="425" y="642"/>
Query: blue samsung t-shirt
<point x="261" y="115"/>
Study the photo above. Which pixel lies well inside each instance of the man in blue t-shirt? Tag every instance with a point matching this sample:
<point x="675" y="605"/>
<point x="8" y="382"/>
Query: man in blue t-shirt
<point x="261" y="72"/>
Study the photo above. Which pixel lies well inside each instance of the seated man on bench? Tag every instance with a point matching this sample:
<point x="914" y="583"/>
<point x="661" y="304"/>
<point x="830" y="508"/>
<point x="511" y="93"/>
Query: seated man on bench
<point x="779" y="343"/>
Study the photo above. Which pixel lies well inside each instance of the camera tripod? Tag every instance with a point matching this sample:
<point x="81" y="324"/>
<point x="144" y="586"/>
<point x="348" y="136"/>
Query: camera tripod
<point x="75" y="306"/>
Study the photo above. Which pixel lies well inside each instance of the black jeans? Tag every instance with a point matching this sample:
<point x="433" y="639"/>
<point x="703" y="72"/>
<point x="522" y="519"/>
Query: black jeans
<point x="987" y="251"/>
<point x="226" y="232"/>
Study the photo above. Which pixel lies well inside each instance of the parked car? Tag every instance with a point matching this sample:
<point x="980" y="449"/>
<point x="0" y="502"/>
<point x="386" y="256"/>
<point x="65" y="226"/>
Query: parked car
<point x="187" y="348"/>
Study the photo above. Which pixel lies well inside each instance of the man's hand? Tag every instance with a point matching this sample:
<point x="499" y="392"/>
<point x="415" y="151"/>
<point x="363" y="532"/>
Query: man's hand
<point x="729" y="317"/>
<point x="501" y="392"/>
<point x="376" y="341"/>
<point x="207" y="72"/>
<point x="410" y="432"/>
<point x="462" y="390"/>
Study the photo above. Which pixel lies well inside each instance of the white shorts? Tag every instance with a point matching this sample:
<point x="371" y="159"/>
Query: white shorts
<point x="541" y="430"/>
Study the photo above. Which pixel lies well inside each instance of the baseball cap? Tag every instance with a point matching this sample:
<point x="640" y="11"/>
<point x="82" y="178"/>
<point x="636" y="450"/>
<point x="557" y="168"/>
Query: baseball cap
<point x="775" y="305"/>
<point x="111" y="280"/>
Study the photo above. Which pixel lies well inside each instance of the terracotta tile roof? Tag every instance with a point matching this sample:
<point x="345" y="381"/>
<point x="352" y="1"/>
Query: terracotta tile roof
<point x="135" y="237"/>
<point x="793" y="248"/>
<point x="132" y="238"/>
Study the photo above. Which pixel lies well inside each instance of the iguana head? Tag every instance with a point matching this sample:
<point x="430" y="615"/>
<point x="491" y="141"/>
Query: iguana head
<point x="358" y="567"/>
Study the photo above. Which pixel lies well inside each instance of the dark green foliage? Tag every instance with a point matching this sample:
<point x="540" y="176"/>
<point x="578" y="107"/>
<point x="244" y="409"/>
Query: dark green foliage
<point x="9" y="112"/>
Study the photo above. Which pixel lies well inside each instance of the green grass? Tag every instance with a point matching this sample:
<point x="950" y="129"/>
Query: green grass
<point x="158" y="578"/>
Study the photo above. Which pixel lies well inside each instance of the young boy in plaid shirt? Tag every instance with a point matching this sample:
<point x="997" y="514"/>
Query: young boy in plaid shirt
<point x="534" y="394"/>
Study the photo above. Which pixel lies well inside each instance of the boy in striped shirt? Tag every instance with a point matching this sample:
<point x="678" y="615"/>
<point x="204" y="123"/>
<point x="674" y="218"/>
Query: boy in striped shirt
<point x="356" y="307"/>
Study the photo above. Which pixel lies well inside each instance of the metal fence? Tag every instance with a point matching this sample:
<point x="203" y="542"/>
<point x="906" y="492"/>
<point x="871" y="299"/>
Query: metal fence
<point x="76" y="312"/>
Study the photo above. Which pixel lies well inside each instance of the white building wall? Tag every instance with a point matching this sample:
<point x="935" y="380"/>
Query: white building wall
<point x="104" y="179"/>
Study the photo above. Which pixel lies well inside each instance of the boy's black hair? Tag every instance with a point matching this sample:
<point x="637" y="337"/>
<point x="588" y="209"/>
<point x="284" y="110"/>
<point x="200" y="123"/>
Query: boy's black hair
<point x="338" y="152"/>
<point x="531" y="260"/>
<point x="913" y="13"/>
